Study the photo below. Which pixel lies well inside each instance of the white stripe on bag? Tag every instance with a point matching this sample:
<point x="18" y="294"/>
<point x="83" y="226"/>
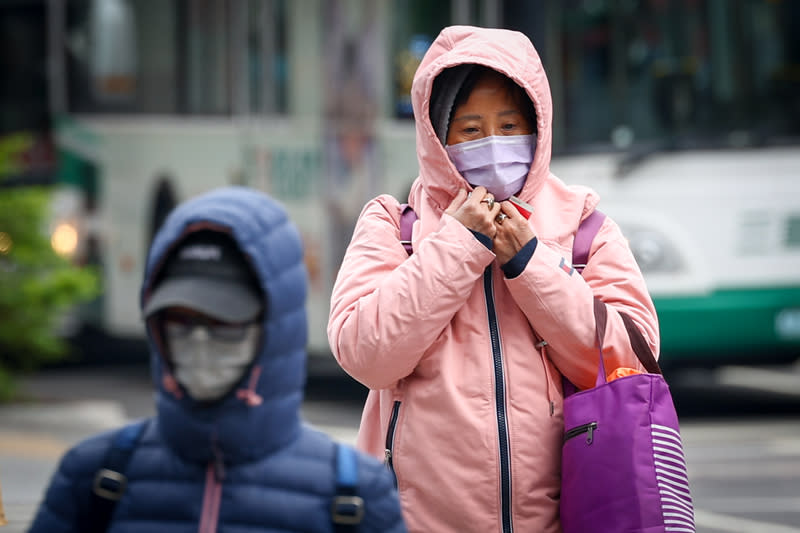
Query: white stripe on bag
<point x="671" y="447"/>
<point x="667" y="468"/>
<point x="679" y="488"/>
<point x="668" y="429"/>
<point x="672" y="479"/>
<point x="679" y="502"/>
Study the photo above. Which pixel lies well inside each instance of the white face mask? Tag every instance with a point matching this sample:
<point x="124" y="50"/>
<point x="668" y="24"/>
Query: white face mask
<point x="499" y="163"/>
<point x="207" y="367"/>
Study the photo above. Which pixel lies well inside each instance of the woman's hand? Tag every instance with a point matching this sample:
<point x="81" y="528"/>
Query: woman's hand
<point x="476" y="211"/>
<point x="512" y="232"/>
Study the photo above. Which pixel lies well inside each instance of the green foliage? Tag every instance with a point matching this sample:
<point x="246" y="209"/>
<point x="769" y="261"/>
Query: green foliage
<point x="37" y="286"/>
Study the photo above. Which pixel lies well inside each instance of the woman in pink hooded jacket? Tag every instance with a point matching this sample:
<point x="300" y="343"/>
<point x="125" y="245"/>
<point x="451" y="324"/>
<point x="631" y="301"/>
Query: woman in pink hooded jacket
<point x="463" y="343"/>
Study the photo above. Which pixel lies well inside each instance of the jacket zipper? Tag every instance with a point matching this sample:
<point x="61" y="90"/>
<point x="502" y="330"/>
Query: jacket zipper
<point x="390" y="439"/>
<point x="215" y="474"/>
<point x="580" y="430"/>
<point x="500" y="404"/>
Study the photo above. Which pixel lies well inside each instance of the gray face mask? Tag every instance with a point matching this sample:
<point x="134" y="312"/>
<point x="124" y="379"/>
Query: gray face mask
<point x="205" y="365"/>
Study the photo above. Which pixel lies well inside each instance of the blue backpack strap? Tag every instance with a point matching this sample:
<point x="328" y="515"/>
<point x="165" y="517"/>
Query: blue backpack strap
<point x="110" y="482"/>
<point x="347" y="508"/>
<point x="407" y="218"/>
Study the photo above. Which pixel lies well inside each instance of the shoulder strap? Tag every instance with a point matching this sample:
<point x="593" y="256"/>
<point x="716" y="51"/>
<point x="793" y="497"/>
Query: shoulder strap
<point x="640" y="346"/>
<point x="407" y="218"/>
<point x="584" y="236"/>
<point x="347" y="508"/>
<point x="580" y="248"/>
<point x="110" y="481"/>
<point x="587" y="229"/>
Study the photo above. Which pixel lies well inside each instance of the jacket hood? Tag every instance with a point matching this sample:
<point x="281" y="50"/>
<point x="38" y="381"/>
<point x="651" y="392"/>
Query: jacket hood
<point x="508" y="52"/>
<point x="261" y="413"/>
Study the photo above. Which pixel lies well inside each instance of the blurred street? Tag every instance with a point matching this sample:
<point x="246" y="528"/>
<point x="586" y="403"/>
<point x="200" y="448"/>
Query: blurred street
<point x="741" y="430"/>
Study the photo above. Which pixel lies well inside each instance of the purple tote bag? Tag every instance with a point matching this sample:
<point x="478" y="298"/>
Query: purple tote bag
<point x="622" y="466"/>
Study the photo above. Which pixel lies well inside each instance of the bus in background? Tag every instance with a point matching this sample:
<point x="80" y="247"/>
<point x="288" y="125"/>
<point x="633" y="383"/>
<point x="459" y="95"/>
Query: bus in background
<point x="684" y="116"/>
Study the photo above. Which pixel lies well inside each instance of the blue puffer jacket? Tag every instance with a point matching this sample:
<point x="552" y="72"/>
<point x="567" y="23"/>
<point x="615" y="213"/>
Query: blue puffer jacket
<point x="248" y="463"/>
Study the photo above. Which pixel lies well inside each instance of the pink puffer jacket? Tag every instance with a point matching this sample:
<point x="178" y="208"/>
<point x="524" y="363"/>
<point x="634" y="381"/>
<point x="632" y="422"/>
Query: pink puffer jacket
<point x="463" y="404"/>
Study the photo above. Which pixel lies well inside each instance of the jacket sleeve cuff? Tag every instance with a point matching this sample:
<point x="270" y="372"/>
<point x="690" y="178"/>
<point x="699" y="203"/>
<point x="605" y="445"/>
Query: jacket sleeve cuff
<point x="517" y="264"/>
<point x="484" y="239"/>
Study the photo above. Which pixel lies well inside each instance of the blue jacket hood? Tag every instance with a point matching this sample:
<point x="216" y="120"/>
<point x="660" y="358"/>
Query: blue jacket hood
<point x="262" y="413"/>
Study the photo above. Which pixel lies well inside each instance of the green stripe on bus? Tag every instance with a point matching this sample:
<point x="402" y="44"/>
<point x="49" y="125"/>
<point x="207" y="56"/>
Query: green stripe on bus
<point x="729" y="322"/>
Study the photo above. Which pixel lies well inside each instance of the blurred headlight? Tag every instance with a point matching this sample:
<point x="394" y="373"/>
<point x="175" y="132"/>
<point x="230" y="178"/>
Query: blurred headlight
<point x="5" y="243"/>
<point x="64" y="239"/>
<point x="653" y="252"/>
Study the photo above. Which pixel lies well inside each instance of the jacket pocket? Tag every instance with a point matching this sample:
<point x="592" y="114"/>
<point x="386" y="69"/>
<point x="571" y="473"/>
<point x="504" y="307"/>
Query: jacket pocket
<point x="550" y="375"/>
<point x="389" y="450"/>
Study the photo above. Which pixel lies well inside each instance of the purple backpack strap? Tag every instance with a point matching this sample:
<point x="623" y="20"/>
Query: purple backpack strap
<point x="407" y="218"/>
<point x="587" y="229"/>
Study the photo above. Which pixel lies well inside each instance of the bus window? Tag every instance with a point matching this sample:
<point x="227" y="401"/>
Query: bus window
<point x="266" y="56"/>
<point x="415" y="24"/>
<point x="197" y="57"/>
<point x="679" y="74"/>
<point x="113" y="55"/>
<point x="150" y="82"/>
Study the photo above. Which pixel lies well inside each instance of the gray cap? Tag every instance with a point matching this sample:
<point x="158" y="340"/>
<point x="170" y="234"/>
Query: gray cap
<point x="208" y="273"/>
<point x="443" y="96"/>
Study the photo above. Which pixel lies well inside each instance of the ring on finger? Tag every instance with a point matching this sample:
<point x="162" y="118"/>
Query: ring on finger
<point x="500" y="218"/>
<point x="489" y="201"/>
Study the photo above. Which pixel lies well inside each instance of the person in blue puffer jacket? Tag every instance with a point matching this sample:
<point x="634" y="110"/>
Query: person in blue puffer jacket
<point x="223" y="298"/>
